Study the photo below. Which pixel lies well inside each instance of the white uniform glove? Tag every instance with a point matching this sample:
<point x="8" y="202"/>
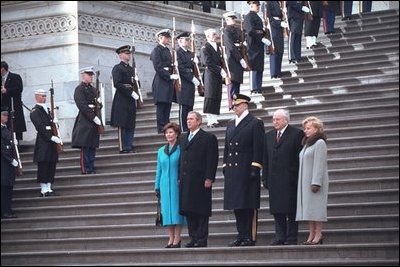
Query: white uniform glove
<point x="243" y="63"/>
<point x="97" y="120"/>
<point x="196" y="60"/>
<point x="245" y="43"/>
<point x="56" y="139"/>
<point x="14" y="163"/>
<point x="195" y="81"/>
<point x="223" y="73"/>
<point x="174" y="77"/>
<point x="136" y="77"/>
<point x="266" y="41"/>
<point x="284" y="25"/>
<point x="55" y="120"/>
<point x="305" y="9"/>
<point x="15" y="141"/>
<point x="134" y="95"/>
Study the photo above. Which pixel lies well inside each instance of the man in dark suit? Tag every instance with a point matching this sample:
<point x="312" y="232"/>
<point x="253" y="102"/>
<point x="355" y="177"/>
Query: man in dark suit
<point x="185" y="96"/>
<point x="45" y="154"/>
<point x="8" y="165"/>
<point x="11" y="98"/>
<point x="123" y="111"/>
<point x="242" y="165"/>
<point x="84" y="134"/>
<point x="198" y="165"/>
<point x="281" y="164"/>
<point x="163" y="86"/>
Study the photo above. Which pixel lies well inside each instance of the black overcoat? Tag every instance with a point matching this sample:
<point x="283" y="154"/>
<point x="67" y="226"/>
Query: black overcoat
<point x="7" y="170"/>
<point x="123" y="111"/>
<point x="14" y="87"/>
<point x="232" y="48"/>
<point x="185" y="66"/>
<point x="281" y="168"/>
<point x="295" y="16"/>
<point x="274" y="13"/>
<point x="212" y="60"/>
<point x="84" y="133"/>
<point x="243" y="146"/>
<point x="311" y="27"/>
<point x="162" y="87"/>
<point x="199" y="161"/>
<point x="45" y="149"/>
<point x="253" y="26"/>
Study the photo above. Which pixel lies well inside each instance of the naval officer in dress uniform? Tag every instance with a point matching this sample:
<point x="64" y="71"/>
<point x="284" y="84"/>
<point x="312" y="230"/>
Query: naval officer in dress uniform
<point x="241" y="167"/>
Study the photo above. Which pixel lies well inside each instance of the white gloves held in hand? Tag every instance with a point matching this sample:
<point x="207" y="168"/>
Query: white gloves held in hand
<point x="174" y="76"/>
<point x="284" y="25"/>
<point x="15" y="141"/>
<point x="56" y="139"/>
<point x="14" y="163"/>
<point x="243" y="63"/>
<point x="134" y="95"/>
<point x="266" y="41"/>
<point x="305" y="9"/>
<point x="97" y="120"/>
<point x="195" y="81"/>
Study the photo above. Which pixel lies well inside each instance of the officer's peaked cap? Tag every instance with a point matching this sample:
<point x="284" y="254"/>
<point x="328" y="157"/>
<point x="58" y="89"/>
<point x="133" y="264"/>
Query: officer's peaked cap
<point x="88" y="70"/>
<point x="183" y="35"/>
<point x="164" y="32"/>
<point x="40" y="92"/>
<point x="253" y="2"/>
<point x="239" y="98"/>
<point x="124" y="49"/>
<point x="230" y="14"/>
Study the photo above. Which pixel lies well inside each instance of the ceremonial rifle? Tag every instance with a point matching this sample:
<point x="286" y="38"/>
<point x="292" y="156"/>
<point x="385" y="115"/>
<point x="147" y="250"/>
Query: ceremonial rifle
<point x="267" y="32"/>
<point x="97" y="105"/>
<point x="175" y="70"/>
<point x="18" y="169"/>
<point x="196" y="70"/>
<point x="284" y="19"/>
<point x="243" y="48"/>
<point x="54" y="121"/>
<point x="135" y="78"/>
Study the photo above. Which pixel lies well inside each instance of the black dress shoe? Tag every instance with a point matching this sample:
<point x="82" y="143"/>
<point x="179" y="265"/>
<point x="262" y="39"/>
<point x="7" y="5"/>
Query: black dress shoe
<point x="9" y="216"/>
<point x="190" y="244"/>
<point x="247" y="243"/>
<point x="200" y="245"/>
<point x="176" y="245"/>
<point x="278" y="243"/>
<point x="291" y="242"/>
<point x="235" y="243"/>
<point x="168" y="246"/>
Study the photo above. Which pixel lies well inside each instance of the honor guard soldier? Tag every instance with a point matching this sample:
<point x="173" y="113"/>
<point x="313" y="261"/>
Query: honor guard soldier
<point x="163" y="86"/>
<point x="84" y="134"/>
<point x="232" y="47"/>
<point x="45" y="154"/>
<point x="8" y="165"/>
<point x="185" y="96"/>
<point x="242" y="163"/>
<point x="123" y="111"/>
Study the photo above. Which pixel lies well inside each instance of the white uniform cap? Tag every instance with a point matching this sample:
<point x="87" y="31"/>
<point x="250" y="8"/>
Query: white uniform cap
<point x="209" y="31"/>
<point x="89" y="70"/>
<point x="40" y="92"/>
<point x="164" y="32"/>
<point x="230" y="14"/>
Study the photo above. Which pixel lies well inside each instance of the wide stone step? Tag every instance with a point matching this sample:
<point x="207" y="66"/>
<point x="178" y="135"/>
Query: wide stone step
<point x="239" y="255"/>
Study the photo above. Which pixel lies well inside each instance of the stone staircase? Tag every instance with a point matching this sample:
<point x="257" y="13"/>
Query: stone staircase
<point x="351" y="82"/>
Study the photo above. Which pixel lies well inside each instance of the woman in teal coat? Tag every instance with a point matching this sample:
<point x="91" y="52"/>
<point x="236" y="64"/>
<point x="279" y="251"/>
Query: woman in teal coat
<point x="167" y="186"/>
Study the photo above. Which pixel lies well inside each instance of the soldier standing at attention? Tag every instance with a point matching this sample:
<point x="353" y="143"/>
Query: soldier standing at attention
<point x="84" y="133"/>
<point x="123" y="111"/>
<point x="243" y="155"/>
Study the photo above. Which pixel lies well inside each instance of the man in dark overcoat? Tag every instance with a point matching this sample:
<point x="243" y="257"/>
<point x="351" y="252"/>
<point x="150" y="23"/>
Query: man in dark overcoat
<point x="185" y="96"/>
<point x="274" y="12"/>
<point x="295" y="12"/>
<point x="211" y="58"/>
<point x="11" y="98"/>
<point x="241" y="167"/>
<point x="123" y="111"/>
<point x="235" y="60"/>
<point x="280" y="176"/>
<point x="8" y="165"/>
<point x="198" y="165"/>
<point x="45" y="154"/>
<point x="163" y="85"/>
<point x="255" y="45"/>
<point x="84" y="134"/>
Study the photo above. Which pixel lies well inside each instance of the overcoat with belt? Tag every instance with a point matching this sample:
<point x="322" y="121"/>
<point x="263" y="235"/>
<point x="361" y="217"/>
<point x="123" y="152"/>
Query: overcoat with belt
<point x="185" y="65"/>
<point x="84" y="133"/>
<point x="199" y="160"/>
<point x="255" y="47"/>
<point x="281" y="169"/>
<point x="45" y="149"/>
<point x="7" y="148"/>
<point x="232" y="48"/>
<point x="243" y="149"/>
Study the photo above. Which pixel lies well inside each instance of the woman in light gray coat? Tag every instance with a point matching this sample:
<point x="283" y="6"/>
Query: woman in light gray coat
<point x="312" y="191"/>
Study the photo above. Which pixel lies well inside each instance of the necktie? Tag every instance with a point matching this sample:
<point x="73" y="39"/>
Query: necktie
<point x="278" y="137"/>
<point x="190" y="136"/>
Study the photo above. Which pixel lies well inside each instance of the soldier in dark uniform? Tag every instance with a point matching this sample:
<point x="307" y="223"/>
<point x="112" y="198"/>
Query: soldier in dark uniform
<point x="45" y="154"/>
<point x="211" y="58"/>
<point x="255" y="45"/>
<point x="84" y="134"/>
<point x="163" y="86"/>
<point x="123" y="111"/>
<point x="347" y="9"/>
<point x="198" y="165"/>
<point x="296" y="11"/>
<point x="11" y="98"/>
<point x="242" y="164"/>
<point x="274" y="13"/>
<point x="8" y="165"/>
<point x="312" y="23"/>
<point x="232" y="47"/>
<point x="185" y="97"/>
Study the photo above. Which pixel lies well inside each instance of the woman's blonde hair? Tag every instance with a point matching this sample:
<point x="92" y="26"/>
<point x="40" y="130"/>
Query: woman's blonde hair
<point x="315" y="122"/>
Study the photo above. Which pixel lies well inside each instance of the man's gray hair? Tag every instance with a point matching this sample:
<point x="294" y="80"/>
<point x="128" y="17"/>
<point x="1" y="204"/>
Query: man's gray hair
<point x="284" y="113"/>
